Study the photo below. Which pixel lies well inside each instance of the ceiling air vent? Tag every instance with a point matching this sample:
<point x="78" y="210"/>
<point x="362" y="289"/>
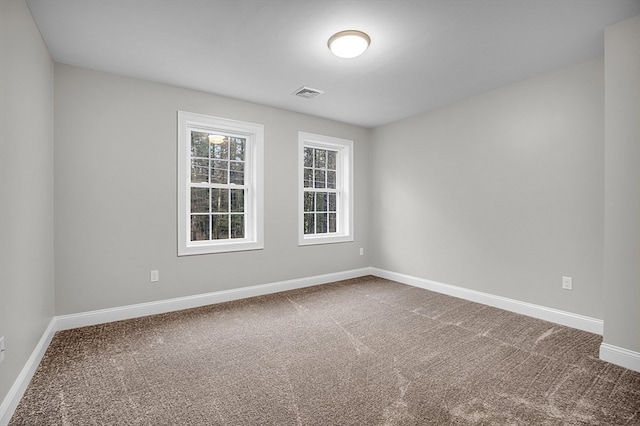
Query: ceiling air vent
<point x="308" y="92"/>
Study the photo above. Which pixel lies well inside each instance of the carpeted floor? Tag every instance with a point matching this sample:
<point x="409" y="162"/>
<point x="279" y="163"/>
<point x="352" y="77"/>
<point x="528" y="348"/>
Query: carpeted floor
<point x="360" y="352"/>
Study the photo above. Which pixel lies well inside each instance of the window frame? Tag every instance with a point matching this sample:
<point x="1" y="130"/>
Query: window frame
<point x="253" y="185"/>
<point x="344" y="187"/>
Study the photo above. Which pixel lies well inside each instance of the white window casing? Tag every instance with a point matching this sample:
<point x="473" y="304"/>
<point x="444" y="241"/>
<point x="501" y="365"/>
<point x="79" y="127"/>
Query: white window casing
<point x="226" y="212"/>
<point x="325" y="207"/>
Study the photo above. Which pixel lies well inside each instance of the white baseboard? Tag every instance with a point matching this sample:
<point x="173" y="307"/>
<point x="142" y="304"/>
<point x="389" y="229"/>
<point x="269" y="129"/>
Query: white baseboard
<point x="11" y="401"/>
<point x="620" y="356"/>
<point x="568" y="319"/>
<point x="102" y="316"/>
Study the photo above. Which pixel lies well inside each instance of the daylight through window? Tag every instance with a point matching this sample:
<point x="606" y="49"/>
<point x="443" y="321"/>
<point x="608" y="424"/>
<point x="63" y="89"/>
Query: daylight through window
<point x="326" y="195"/>
<point x="220" y="184"/>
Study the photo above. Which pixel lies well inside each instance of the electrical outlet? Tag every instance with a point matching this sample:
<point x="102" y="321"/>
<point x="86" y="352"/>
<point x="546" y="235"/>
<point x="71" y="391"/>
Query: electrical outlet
<point x="361" y="252"/>
<point x="155" y="276"/>
<point x="1" y="348"/>
<point x="567" y="283"/>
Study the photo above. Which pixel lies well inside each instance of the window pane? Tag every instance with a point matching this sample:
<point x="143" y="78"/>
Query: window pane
<point x="237" y="201"/>
<point x="237" y="173"/>
<point x="321" y="159"/>
<point x="321" y="223"/>
<point x="220" y="184"/>
<point x="199" y="227"/>
<point x="237" y="149"/>
<point x="325" y="169"/>
<point x="308" y="178"/>
<point x="332" y="202"/>
<point x="308" y="157"/>
<point x="320" y="179"/>
<point x="219" y="200"/>
<point x="219" y="173"/>
<point x="333" y="222"/>
<point x="331" y="160"/>
<point x="220" y="150"/>
<point x="309" y="223"/>
<point x="199" y="171"/>
<point x="199" y="144"/>
<point x="220" y="226"/>
<point x="309" y="201"/>
<point x="199" y="200"/>
<point x="321" y="201"/>
<point x="237" y="226"/>
<point x="331" y="179"/>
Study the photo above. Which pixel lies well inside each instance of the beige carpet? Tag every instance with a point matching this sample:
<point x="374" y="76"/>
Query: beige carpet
<point x="360" y="352"/>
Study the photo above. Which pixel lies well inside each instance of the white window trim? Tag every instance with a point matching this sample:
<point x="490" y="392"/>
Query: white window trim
<point x="345" y="173"/>
<point x="254" y="238"/>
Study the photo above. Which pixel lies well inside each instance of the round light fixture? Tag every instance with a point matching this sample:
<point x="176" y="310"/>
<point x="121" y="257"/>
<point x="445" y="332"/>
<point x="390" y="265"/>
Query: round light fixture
<point x="349" y="44"/>
<point x="216" y="139"/>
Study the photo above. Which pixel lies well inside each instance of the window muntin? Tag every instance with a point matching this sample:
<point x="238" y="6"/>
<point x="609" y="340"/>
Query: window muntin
<point x="217" y="187"/>
<point x="325" y="189"/>
<point x="220" y="185"/>
<point x="321" y="194"/>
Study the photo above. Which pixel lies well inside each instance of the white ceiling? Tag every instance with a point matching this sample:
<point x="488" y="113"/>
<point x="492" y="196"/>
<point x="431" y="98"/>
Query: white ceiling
<point x="423" y="54"/>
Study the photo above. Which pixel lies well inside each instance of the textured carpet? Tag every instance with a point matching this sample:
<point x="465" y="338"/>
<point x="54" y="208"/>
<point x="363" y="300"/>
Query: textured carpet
<point x="360" y="352"/>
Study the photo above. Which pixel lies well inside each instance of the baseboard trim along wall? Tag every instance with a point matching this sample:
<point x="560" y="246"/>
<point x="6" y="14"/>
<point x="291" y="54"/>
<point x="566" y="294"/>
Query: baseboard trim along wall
<point x="581" y="322"/>
<point x="11" y="401"/>
<point x="568" y="319"/>
<point x="102" y="316"/>
<point x="609" y="353"/>
<point x="65" y="322"/>
<point x="620" y="356"/>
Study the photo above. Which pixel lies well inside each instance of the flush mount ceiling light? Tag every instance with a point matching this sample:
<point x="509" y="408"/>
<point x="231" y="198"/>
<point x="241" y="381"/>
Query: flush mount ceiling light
<point x="216" y="139"/>
<point x="349" y="44"/>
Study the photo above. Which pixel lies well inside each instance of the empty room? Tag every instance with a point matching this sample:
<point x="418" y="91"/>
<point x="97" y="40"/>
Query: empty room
<point x="319" y="212"/>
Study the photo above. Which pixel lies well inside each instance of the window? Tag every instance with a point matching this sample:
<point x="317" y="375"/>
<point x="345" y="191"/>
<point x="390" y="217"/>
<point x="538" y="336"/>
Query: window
<point x="326" y="189"/>
<point x="220" y="191"/>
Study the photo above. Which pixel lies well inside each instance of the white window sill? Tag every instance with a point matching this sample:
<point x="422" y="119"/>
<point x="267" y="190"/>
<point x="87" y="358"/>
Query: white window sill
<point x="324" y="239"/>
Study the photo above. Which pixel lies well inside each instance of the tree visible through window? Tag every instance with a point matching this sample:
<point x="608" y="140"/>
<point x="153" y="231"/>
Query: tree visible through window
<point x="220" y="182"/>
<point x="320" y="192"/>
<point x="326" y="196"/>
<point x="217" y="187"/>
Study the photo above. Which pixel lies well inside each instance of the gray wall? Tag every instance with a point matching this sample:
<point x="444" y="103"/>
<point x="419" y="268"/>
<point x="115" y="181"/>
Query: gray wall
<point x="115" y="195"/>
<point x="622" y="183"/>
<point x="26" y="188"/>
<point x="500" y="193"/>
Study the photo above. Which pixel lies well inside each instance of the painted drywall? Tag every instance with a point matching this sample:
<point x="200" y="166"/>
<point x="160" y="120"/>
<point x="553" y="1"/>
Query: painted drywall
<point x="26" y="188"/>
<point x="500" y="193"/>
<point x="622" y="185"/>
<point x="115" y="195"/>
